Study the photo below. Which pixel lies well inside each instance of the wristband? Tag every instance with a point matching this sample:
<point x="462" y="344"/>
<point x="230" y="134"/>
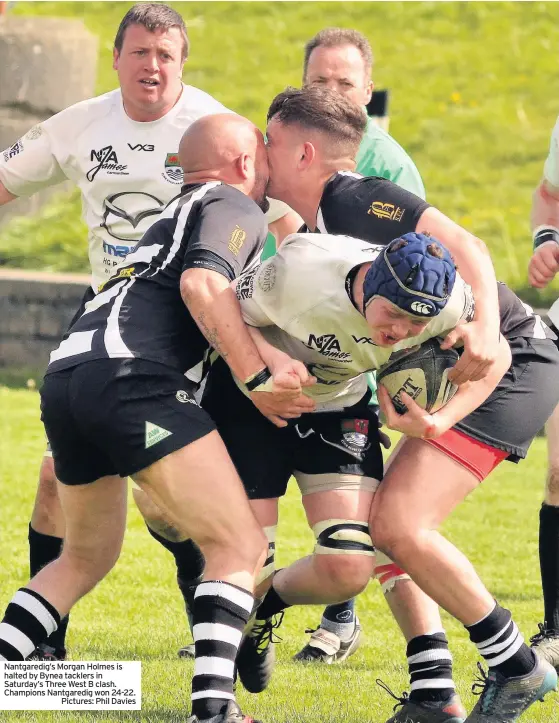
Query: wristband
<point x="543" y="234"/>
<point x="258" y="380"/>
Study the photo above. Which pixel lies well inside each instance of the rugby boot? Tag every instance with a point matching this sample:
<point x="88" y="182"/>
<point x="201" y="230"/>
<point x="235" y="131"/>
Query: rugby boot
<point x="450" y="710"/>
<point x="257" y="656"/>
<point x="546" y="645"/>
<point x="231" y="713"/>
<point x="326" y="647"/>
<point x="187" y="591"/>
<point x="46" y="652"/>
<point x="503" y="700"/>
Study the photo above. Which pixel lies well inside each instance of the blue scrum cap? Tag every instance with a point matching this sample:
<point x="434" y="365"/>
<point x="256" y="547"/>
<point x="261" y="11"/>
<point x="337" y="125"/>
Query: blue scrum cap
<point x="415" y="272"/>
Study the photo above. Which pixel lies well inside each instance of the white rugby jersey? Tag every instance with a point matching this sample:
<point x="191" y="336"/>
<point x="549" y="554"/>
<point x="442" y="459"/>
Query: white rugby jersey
<point x="551" y="167"/>
<point x="127" y="171"/>
<point x="300" y="300"/>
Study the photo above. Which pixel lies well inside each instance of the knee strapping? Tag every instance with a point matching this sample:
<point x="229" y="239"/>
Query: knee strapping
<point x="269" y="566"/>
<point x="387" y="572"/>
<point x="342" y="537"/>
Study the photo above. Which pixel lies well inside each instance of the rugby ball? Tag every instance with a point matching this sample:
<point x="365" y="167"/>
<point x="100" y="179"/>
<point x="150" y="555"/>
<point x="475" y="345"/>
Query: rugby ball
<point x="422" y="373"/>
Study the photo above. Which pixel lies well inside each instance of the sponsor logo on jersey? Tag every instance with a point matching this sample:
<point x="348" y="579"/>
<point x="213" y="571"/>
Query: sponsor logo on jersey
<point x="120" y="207"/>
<point x="328" y="345"/>
<point x="267" y="279"/>
<point x="13" y="150"/>
<point x="236" y="240"/>
<point x="173" y="171"/>
<point x="107" y="161"/>
<point x="122" y="274"/>
<point x="362" y="339"/>
<point x="386" y="210"/>
<point x="245" y="286"/>
<point x="34" y="133"/>
<point x="148" y="148"/>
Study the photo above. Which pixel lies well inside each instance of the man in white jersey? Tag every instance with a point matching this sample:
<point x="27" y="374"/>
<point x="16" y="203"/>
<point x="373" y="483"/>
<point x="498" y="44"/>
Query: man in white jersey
<point x="542" y="269"/>
<point x="121" y="150"/>
<point x="344" y="308"/>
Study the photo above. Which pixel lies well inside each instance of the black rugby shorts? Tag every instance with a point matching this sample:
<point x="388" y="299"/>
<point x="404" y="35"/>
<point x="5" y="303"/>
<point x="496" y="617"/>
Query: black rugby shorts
<point x="342" y="442"/>
<point x="117" y="416"/>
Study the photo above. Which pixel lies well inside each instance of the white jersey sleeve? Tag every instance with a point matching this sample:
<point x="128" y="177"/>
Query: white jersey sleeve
<point x="551" y="166"/>
<point x="31" y="164"/>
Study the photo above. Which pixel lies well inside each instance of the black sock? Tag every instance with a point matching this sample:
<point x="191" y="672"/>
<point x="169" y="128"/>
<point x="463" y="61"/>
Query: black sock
<point x="549" y="564"/>
<point x="499" y="641"/>
<point x="221" y="612"/>
<point x="42" y="550"/>
<point x="271" y="605"/>
<point x="430" y="666"/>
<point x="188" y="557"/>
<point x="33" y="618"/>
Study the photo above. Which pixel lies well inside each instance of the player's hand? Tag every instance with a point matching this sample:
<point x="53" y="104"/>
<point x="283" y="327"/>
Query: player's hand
<point x="416" y="422"/>
<point x="543" y="265"/>
<point x="286" y="400"/>
<point x="481" y="349"/>
<point x="384" y="439"/>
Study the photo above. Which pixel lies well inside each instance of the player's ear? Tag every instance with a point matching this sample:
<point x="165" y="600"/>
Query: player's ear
<point x="369" y="91"/>
<point x="308" y="154"/>
<point x="244" y="166"/>
<point x="116" y="56"/>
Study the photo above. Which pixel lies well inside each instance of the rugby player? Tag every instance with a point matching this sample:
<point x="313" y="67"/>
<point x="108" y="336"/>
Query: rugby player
<point x="120" y="149"/>
<point x="337" y="290"/>
<point x="118" y="400"/>
<point x="542" y="269"/>
<point x="342" y="60"/>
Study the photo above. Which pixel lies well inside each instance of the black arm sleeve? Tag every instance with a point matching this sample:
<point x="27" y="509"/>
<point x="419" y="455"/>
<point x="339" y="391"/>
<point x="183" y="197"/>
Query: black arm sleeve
<point x="373" y="209"/>
<point x="228" y="235"/>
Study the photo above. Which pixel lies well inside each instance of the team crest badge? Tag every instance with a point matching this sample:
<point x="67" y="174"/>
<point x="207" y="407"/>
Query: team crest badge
<point x="354" y="436"/>
<point x="173" y="171"/>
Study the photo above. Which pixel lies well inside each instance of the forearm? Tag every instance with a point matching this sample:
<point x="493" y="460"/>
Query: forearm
<point x="545" y="206"/>
<point x="215" y="309"/>
<point x="271" y="356"/>
<point x="472" y="394"/>
<point x="473" y="261"/>
<point x="5" y="195"/>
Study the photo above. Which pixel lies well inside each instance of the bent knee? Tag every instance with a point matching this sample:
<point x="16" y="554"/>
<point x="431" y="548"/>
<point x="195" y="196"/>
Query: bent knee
<point x="552" y="484"/>
<point x="347" y="575"/>
<point x="47" y="477"/>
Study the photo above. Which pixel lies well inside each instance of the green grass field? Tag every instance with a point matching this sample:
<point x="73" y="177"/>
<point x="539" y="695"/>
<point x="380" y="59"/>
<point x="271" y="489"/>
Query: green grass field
<point x="474" y="98"/>
<point x="136" y="614"/>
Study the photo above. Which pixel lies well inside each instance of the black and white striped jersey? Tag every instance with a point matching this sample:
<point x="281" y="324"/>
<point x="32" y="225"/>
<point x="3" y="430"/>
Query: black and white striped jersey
<point x="377" y="210"/>
<point x="139" y="312"/>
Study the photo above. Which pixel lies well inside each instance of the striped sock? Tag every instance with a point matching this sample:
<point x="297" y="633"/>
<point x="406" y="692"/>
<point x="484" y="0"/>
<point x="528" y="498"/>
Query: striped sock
<point x="221" y="611"/>
<point x="29" y="619"/>
<point x="499" y="641"/>
<point x="430" y="666"/>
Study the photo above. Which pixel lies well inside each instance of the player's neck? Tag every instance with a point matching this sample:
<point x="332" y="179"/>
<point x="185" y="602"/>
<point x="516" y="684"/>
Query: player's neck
<point x="307" y="204"/>
<point x="145" y="114"/>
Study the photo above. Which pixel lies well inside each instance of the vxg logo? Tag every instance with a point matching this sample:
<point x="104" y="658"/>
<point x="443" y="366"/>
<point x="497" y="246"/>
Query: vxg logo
<point x="420" y="308"/>
<point x="362" y="339"/>
<point x="139" y="147"/>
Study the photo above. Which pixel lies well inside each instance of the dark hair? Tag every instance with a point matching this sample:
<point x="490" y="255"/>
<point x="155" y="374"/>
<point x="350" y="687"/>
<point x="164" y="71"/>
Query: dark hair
<point x="152" y="16"/>
<point x="333" y="38"/>
<point x="324" y="110"/>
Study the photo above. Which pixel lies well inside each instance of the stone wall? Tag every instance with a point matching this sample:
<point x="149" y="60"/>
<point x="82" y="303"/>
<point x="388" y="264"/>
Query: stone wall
<point x="46" y="64"/>
<point x="35" y="310"/>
